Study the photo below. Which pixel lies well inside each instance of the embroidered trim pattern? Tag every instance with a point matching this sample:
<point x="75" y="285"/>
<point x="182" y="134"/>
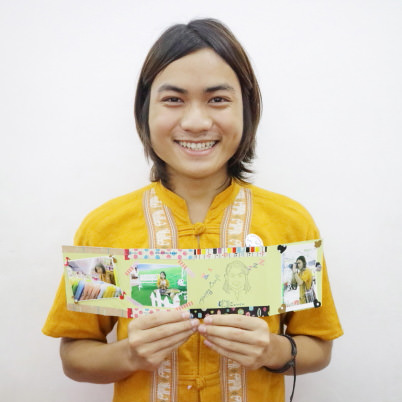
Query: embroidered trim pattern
<point x="165" y="379"/>
<point x="233" y="381"/>
<point x="162" y="230"/>
<point x="236" y="221"/>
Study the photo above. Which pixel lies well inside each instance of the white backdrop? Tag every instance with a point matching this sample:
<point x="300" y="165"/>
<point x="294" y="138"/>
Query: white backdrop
<point x="330" y="74"/>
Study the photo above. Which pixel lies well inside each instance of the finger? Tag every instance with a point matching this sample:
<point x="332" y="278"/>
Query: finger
<point x="153" y="360"/>
<point x="243" y="359"/>
<point x="230" y="328"/>
<point x="249" y="346"/>
<point x="229" y="342"/>
<point x="226" y="344"/>
<point x="159" y="318"/>
<point x="171" y="330"/>
<point x="163" y="331"/>
<point x="163" y="345"/>
<point x="229" y="333"/>
<point x="233" y="320"/>
<point x="235" y="334"/>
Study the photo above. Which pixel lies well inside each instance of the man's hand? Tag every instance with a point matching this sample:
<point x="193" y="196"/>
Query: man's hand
<point x="244" y="339"/>
<point x="152" y="337"/>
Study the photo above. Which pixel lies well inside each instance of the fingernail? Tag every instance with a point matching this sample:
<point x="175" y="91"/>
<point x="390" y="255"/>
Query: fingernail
<point x="185" y="315"/>
<point x="202" y="328"/>
<point x="208" y="319"/>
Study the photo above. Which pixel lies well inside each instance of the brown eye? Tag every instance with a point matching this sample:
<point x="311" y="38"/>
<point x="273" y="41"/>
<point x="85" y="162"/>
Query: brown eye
<point x="218" y="99"/>
<point x="171" y="99"/>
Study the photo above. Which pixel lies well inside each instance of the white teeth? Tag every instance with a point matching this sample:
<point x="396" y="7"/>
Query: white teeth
<point x="197" y="146"/>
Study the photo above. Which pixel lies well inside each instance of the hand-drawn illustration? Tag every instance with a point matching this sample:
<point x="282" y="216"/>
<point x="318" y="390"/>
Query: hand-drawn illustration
<point x="236" y="280"/>
<point x="229" y="282"/>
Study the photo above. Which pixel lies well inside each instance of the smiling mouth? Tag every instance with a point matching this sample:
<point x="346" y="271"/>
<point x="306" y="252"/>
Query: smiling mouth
<point x="197" y="146"/>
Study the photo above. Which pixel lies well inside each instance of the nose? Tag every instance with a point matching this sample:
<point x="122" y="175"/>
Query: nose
<point x="196" y="118"/>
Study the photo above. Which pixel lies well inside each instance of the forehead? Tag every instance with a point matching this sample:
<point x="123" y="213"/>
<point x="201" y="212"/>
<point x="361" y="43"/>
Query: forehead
<point x="237" y="270"/>
<point x="203" y="68"/>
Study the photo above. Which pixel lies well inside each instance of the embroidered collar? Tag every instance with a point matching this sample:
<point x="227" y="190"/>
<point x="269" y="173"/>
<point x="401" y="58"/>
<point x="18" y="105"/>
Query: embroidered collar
<point x="178" y="205"/>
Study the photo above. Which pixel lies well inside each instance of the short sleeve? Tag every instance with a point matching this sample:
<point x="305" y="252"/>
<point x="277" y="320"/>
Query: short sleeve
<point x="278" y="219"/>
<point x="70" y="324"/>
<point x="62" y="322"/>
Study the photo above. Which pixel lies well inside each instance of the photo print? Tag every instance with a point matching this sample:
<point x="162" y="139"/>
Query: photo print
<point x="299" y="267"/>
<point x="92" y="278"/>
<point x="158" y="285"/>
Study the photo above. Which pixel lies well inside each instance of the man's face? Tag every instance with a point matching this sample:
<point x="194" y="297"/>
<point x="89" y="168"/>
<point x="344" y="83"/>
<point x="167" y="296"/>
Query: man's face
<point x="237" y="278"/>
<point x="196" y="116"/>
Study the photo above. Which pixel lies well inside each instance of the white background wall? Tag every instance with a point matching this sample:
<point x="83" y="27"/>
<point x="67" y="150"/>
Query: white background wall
<point x="330" y="74"/>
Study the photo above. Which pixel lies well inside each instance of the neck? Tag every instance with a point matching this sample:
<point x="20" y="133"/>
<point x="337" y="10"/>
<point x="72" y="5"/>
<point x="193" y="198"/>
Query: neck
<point x="199" y="193"/>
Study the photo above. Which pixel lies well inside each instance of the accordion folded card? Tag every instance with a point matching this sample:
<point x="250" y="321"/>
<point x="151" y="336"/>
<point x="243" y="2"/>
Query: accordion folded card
<point x="256" y="281"/>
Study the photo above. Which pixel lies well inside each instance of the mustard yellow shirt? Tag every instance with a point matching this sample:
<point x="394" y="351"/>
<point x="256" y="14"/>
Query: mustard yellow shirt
<point x="307" y="277"/>
<point x="120" y="223"/>
<point x="162" y="283"/>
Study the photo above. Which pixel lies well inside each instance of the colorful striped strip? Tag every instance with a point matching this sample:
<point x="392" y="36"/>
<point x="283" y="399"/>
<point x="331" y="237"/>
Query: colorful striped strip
<point x="183" y="254"/>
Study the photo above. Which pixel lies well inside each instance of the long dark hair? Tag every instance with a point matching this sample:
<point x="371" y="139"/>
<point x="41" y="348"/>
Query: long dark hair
<point x="101" y="266"/>
<point x="302" y="258"/>
<point x="177" y="42"/>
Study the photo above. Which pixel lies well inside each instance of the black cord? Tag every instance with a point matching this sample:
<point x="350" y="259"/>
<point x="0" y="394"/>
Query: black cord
<point x="294" y="380"/>
<point x="289" y="364"/>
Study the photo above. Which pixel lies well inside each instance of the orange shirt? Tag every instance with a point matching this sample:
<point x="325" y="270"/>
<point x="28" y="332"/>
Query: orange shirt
<point x="121" y="223"/>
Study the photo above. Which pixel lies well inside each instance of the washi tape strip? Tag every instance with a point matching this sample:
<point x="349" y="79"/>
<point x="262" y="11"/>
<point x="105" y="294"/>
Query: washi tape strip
<point x="85" y="308"/>
<point x="159" y="253"/>
<point x="193" y="253"/>
<point x="253" y="311"/>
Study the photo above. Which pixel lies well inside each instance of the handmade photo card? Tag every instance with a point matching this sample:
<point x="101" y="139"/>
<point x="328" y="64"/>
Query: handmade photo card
<point x="256" y="281"/>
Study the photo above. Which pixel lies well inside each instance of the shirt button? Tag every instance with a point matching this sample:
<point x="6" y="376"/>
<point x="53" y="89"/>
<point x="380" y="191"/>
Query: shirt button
<point x="200" y="382"/>
<point x="199" y="228"/>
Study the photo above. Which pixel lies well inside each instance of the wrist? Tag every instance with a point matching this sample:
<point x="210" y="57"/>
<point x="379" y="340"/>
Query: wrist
<point x="128" y="362"/>
<point x="285" y="357"/>
<point x="291" y="364"/>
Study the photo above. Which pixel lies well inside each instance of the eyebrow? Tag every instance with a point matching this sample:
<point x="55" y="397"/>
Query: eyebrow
<point x="168" y="87"/>
<point x="222" y="87"/>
